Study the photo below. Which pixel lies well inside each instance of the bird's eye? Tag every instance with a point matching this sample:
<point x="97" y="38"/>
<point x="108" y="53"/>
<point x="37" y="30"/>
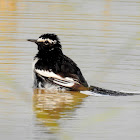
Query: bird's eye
<point x="46" y="42"/>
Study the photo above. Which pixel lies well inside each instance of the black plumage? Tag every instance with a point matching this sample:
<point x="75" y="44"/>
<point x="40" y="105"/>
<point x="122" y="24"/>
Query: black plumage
<point x="51" y="67"/>
<point x="50" y="58"/>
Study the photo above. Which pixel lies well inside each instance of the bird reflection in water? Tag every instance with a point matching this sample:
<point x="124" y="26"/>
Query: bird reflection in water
<point x="50" y="107"/>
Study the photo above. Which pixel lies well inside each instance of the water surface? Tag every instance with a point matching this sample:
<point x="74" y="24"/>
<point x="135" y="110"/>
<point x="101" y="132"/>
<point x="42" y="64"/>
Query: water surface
<point x="102" y="37"/>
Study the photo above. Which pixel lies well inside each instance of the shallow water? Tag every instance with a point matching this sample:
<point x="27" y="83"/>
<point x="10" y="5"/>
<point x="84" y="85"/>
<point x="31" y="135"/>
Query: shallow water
<point x="102" y="37"/>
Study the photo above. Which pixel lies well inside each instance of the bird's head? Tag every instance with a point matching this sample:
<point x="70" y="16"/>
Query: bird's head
<point x="47" y="42"/>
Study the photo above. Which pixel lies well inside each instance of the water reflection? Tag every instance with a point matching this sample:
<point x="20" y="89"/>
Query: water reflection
<point x="8" y="5"/>
<point x="51" y="107"/>
<point x="8" y="15"/>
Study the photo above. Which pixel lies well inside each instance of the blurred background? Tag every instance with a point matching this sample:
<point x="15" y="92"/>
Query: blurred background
<point x="102" y="37"/>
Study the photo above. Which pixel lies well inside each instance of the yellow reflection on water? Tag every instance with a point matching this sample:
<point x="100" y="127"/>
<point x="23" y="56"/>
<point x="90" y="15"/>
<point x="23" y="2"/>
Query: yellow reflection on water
<point x="107" y="16"/>
<point x="8" y="26"/>
<point x="8" y="20"/>
<point x="8" y="5"/>
<point x="51" y="107"/>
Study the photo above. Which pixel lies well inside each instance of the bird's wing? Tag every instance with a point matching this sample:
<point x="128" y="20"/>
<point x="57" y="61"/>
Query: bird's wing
<point x="64" y="73"/>
<point x="57" y="79"/>
<point x="69" y="68"/>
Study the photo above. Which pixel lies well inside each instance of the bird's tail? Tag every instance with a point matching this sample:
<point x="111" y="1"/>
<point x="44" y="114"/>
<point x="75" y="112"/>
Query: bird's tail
<point x="110" y="92"/>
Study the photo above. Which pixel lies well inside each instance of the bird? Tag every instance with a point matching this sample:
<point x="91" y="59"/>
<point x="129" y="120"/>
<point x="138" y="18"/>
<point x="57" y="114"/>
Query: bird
<point x="53" y="70"/>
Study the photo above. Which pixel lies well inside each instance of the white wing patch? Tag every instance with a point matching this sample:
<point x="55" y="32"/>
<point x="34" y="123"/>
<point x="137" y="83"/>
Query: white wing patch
<point x="67" y="81"/>
<point x="47" y="73"/>
<point x="62" y="83"/>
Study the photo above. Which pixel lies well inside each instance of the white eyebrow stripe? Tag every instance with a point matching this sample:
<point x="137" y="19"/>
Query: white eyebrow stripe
<point x="41" y="40"/>
<point x="49" y="40"/>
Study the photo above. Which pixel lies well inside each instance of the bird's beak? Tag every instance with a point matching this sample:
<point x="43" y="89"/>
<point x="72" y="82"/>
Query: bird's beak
<point x="32" y="40"/>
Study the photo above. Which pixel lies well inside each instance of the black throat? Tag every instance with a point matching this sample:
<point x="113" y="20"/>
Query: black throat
<point x="50" y="58"/>
<point x="50" y="54"/>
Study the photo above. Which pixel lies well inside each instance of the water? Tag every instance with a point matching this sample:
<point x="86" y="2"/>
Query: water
<point x="102" y="37"/>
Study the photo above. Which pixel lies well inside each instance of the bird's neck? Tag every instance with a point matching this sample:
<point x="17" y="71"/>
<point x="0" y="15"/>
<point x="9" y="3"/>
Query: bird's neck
<point x="50" y="53"/>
